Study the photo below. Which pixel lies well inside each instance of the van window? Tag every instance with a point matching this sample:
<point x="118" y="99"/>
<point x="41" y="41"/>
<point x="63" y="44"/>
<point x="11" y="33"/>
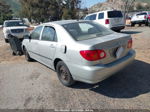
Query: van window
<point x="87" y="18"/>
<point x="93" y="17"/>
<point x="115" y="14"/>
<point x="101" y="16"/>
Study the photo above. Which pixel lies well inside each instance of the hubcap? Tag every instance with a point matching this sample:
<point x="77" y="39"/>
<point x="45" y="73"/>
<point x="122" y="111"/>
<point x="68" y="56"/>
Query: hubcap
<point x="63" y="74"/>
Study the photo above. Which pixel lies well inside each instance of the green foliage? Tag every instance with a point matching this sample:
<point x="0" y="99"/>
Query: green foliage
<point x="48" y="10"/>
<point x="14" y="5"/>
<point x="5" y="12"/>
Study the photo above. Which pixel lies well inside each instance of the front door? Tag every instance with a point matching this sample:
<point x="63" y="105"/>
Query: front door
<point x="47" y="45"/>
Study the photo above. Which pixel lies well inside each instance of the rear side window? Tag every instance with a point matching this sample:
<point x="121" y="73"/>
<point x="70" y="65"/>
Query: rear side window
<point x="48" y="34"/>
<point x="36" y="33"/>
<point x="115" y="14"/>
<point x="101" y="16"/>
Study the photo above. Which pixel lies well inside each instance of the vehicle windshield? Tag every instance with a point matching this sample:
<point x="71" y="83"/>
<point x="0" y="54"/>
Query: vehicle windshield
<point x="14" y="23"/>
<point x="86" y="30"/>
<point x="115" y="14"/>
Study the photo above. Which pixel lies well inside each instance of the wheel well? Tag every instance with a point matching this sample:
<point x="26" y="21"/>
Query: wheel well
<point x="56" y="61"/>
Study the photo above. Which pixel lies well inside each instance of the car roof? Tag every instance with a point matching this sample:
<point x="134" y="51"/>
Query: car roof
<point x="62" y="22"/>
<point x="100" y="12"/>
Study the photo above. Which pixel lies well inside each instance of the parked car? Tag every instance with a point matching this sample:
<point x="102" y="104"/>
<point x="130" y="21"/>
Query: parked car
<point x="79" y="50"/>
<point x="139" y="18"/>
<point x="148" y="19"/>
<point x="112" y="19"/>
<point x="14" y="27"/>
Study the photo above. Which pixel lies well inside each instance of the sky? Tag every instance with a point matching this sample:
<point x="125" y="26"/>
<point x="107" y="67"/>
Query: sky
<point x="89" y="3"/>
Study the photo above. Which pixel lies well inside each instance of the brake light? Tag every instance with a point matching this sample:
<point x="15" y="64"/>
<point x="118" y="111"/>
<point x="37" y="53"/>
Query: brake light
<point x="144" y="17"/>
<point x="130" y="43"/>
<point x="107" y="21"/>
<point x="93" y="55"/>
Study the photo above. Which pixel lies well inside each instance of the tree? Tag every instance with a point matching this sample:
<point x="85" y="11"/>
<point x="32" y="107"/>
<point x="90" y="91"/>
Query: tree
<point x="127" y="6"/>
<point x="5" y="12"/>
<point x="49" y="10"/>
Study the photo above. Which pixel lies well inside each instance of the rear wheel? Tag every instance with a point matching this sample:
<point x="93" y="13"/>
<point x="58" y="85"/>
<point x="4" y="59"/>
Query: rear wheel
<point x="27" y="56"/>
<point x="64" y="74"/>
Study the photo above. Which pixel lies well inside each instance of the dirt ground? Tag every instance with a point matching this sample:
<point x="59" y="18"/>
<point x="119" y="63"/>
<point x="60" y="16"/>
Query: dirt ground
<point x="25" y="85"/>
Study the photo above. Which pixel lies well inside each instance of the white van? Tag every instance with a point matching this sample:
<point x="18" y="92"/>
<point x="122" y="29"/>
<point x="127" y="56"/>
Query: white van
<point x="112" y="19"/>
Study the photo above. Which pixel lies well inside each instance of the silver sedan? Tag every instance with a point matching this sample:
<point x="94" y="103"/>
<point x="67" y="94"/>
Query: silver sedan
<point x="79" y="50"/>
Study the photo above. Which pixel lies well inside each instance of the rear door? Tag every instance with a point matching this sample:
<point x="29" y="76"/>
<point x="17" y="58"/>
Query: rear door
<point x="47" y="45"/>
<point x="116" y="18"/>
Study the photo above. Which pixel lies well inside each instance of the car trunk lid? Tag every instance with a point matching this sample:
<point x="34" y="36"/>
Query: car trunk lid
<point x="110" y="44"/>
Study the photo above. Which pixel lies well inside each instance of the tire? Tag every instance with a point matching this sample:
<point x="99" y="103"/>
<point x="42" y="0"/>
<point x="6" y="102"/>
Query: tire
<point x="149" y="22"/>
<point x="132" y="24"/>
<point x="6" y="41"/>
<point x="27" y="56"/>
<point x="64" y="74"/>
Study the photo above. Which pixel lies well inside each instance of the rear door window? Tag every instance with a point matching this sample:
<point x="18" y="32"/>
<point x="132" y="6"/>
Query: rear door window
<point x="101" y="16"/>
<point x="115" y="14"/>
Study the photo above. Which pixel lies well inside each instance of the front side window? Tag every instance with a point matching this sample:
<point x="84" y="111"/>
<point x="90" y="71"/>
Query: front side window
<point x="36" y="33"/>
<point x="49" y="34"/>
<point x="86" y="30"/>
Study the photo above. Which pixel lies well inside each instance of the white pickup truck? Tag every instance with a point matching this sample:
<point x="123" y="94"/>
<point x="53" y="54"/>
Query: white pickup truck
<point x="14" y="27"/>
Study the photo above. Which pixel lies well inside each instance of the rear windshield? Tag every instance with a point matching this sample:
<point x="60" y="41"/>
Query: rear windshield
<point x="86" y="30"/>
<point x="115" y="14"/>
<point x="142" y="14"/>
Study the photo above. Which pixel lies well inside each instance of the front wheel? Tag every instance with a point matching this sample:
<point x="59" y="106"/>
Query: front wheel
<point x="64" y="74"/>
<point x="27" y="56"/>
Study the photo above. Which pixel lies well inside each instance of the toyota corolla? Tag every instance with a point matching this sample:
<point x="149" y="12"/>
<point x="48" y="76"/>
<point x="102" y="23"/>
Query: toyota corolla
<point x="79" y="50"/>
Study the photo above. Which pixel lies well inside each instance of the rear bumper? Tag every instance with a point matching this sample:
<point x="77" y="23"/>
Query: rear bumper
<point x="117" y="28"/>
<point x="97" y="73"/>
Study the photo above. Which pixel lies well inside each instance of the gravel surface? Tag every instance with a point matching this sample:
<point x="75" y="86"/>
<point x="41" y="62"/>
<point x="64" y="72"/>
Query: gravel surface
<point x="25" y="85"/>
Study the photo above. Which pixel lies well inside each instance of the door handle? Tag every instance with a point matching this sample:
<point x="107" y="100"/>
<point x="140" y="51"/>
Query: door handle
<point x="52" y="46"/>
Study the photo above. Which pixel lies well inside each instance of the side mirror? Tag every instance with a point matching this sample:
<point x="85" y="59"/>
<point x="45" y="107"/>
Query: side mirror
<point x="27" y="37"/>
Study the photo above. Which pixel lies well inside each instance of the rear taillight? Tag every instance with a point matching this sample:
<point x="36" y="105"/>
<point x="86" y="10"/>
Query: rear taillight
<point x="130" y="43"/>
<point x="145" y="17"/>
<point x="107" y="21"/>
<point x="93" y="55"/>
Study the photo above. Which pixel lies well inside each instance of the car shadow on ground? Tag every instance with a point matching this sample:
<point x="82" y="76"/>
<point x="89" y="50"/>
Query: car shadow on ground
<point x="130" y="32"/>
<point x="128" y="83"/>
